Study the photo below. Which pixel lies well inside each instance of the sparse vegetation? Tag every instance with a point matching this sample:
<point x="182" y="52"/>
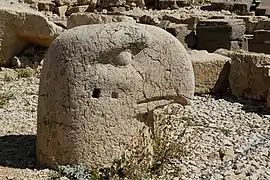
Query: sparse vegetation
<point x="25" y="72"/>
<point x="139" y="163"/>
<point x="73" y="172"/>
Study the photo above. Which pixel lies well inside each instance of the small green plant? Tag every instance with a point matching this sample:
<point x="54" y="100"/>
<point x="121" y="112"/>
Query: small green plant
<point x="75" y="172"/>
<point x="4" y="98"/>
<point x="168" y="143"/>
<point x="139" y="162"/>
<point x="25" y="72"/>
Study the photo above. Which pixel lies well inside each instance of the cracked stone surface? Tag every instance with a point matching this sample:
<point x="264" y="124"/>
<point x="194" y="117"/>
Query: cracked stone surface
<point x="99" y="85"/>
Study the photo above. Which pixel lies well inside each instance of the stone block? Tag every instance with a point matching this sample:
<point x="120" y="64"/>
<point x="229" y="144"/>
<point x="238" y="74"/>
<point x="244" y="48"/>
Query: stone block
<point x="46" y="6"/>
<point x="239" y="7"/>
<point x="61" y="11"/>
<point x="260" y="42"/>
<point x="213" y="29"/>
<point x="211" y="71"/>
<point x="262" y="35"/>
<point x="110" y="3"/>
<point x="249" y="75"/>
<point x="187" y="37"/>
<point x="241" y="44"/>
<point x="212" y="46"/>
<point x="259" y="46"/>
<point x="263" y="8"/>
<point x="263" y="24"/>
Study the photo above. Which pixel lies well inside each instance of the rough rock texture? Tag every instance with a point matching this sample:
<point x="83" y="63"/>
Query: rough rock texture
<point x="237" y="6"/>
<point x="109" y="3"/>
<point x="249" y="74"/>
<point x="211" y="71"/>
<point x="99" y="85"/>
<point x="218" y="33"/>
<point x="185" y="36"/>
<point x="20" y="26"/>
<point x="263" y="8"/>
<point x="79" y="19"/>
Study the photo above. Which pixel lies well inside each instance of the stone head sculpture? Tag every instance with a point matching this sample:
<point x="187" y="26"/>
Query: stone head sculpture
<point x="99" y="85"/>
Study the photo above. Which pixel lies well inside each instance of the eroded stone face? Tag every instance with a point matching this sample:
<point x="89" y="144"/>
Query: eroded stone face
<point x="99" y="86"/>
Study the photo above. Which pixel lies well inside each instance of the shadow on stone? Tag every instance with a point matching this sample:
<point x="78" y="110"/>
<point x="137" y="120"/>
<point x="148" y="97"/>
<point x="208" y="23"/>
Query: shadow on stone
<point x="222" y="84"/>
<point x="18" y="151"/>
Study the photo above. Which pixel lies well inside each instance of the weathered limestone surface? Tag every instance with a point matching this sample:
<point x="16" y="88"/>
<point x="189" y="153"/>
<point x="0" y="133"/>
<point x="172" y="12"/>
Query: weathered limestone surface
<point x="20" y="26"/>
<point x="239" y="6"/>
<point x="184" y="35"/>
<point x="249" y="74"/>
<point x="211" y="71"/>
<point x="79" y="19"/>
<point x="99" y="86"/>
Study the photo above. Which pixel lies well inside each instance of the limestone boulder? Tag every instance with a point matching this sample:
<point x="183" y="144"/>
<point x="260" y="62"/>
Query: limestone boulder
<point x="99" y="87"/>
<point x="249" y="74"/>
<point x="211" y="71"/>
<point x="20" y="26"/>
<point x="79" y="19"/>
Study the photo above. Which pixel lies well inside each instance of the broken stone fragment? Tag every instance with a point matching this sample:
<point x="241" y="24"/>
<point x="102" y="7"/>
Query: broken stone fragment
<point x="20" y="26"/>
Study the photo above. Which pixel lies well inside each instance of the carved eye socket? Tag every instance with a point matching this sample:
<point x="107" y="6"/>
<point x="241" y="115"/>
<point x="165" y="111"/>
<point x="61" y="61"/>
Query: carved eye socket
<point x="123" y="58"/>
<point x="96" y="93"/>
<point x="114" y="95"/>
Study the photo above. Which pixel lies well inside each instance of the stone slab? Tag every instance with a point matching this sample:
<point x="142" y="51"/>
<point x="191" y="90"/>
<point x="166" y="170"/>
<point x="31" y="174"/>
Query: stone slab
<point x="211" y="71"/>
<point x="263" y="8"/>
<point x="231" y="29"/>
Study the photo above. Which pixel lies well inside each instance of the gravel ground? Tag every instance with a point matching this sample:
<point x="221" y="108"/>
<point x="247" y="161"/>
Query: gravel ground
<point x="18" y="129"/>
<point x="226" y="139"/>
